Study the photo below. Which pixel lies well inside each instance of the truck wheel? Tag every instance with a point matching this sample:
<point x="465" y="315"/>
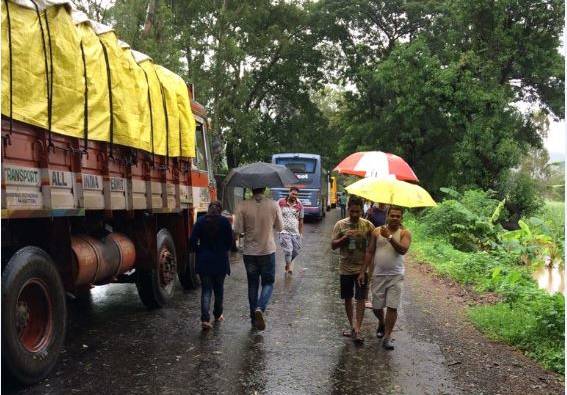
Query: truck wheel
<point x="188" y="277"/>
<point x="34" y="315"/>
<point x="156" y="286"/>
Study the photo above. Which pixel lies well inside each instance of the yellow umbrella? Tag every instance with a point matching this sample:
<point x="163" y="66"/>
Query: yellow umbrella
<point x="391" y="191"/>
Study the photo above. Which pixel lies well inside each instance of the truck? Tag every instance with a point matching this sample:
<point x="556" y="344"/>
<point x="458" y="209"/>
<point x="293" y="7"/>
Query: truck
<point x="105" y="167"/>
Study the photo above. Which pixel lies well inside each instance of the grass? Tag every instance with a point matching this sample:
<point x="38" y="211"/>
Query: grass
<point x="556" y="205"/>
<point x="553" y="212"/>
<point x="518" y="326"/>
<point x="529" y="318"/>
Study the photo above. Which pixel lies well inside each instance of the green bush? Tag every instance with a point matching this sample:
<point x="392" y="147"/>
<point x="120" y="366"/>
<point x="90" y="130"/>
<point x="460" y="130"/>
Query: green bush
<point x="468" y="268"/>
<point x="535" y="324"/>
<point x="465" y="222"/>
<point x="523" y="195"/>
<point x="480" y="202"/>
<point x="550" y="316"/>
<point x="528" y="317"/>
<point x="553" y="217"/>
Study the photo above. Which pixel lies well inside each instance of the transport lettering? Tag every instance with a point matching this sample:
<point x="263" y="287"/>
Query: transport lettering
<point x="58" y="179"/>
<point x="90" y="182"/>
<point x="22" y="175"/>
<point x="117" y="184"/>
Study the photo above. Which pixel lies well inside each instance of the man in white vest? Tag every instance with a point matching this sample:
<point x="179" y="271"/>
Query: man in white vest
<point x="385" y="256"/>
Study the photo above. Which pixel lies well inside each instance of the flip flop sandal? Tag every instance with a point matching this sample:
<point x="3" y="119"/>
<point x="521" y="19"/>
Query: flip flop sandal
<point x="380" y="331"/>
<point x="206" y="326"/>
<point x="358" y="339"/>
<point x="348" y="333"/>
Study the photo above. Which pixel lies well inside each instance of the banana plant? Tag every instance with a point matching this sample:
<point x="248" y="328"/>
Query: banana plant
<point x="527" y="243"/>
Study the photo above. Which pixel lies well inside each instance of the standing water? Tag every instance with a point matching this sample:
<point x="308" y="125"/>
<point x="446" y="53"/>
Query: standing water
<point x="551" y="277"/>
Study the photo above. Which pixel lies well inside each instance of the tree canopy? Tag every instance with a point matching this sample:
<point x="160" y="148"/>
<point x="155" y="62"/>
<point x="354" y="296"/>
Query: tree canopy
<point x="438" y="82"/>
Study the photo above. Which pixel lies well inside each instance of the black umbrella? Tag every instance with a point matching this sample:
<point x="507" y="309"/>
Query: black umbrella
<point x="260" y="175"/>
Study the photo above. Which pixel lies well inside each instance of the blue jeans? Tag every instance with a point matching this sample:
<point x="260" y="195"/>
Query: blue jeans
<point x="210" y="284"/>
<point x="260" y="268"/>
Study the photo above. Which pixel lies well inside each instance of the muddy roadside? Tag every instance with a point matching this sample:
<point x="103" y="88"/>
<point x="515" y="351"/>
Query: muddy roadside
<point x="479" y="365"/>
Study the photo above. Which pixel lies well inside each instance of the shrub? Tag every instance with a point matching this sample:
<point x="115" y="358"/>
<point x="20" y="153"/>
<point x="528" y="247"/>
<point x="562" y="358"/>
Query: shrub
<point x="466" y="223"/>
<point x="535" y="327"/>
<point x="528" y="318"/>
<point x="482" y="203"/>
<point x="553" y="216"/>
<point x="523" y="197"/>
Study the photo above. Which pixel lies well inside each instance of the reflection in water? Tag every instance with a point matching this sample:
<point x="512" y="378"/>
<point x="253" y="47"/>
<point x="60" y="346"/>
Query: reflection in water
<point x="252" y="365"/>
<point x="552" y="279"/>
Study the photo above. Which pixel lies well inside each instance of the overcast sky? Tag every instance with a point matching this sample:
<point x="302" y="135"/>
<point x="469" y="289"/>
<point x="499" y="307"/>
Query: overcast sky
<point x="555" y="141"/>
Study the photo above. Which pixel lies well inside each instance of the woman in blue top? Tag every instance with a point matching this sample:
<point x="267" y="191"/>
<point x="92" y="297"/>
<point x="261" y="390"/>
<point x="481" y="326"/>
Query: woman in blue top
<point x="211" y="239"/>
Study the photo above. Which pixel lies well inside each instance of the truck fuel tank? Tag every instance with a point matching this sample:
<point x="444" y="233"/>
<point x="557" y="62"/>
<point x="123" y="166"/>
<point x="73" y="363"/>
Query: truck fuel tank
<point x="97" y="261"/>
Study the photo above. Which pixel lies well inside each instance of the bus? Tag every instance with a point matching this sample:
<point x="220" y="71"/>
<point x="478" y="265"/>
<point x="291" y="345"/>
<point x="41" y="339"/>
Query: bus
<point x="313" y="181"/>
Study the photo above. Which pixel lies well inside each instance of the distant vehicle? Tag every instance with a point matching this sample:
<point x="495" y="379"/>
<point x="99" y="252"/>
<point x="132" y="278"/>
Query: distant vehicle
<point x="332" y="196"/>
<point x="313" y="186"/>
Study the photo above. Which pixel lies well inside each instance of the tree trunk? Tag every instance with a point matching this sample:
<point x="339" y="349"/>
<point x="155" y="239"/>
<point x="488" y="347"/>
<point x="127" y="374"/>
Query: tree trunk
<point x="218" y="70"/>
<point x="231" y="159"/>
<point x="150" y="17"/>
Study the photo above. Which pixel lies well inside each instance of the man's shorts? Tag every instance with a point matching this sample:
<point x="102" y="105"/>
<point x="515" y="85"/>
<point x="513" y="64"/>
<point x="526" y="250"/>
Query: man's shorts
<point x="387" y="291"/>
<point x="350" y="287"/>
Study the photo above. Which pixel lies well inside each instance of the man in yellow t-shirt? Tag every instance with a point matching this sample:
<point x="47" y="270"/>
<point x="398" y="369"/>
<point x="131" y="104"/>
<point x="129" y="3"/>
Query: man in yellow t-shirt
<point x="351" y="235"/>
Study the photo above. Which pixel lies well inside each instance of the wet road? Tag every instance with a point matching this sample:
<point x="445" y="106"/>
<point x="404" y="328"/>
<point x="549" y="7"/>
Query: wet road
<point x="115" y="346"/>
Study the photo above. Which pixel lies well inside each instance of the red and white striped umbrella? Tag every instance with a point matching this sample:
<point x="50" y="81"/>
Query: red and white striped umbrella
<point x="376" y="164"/>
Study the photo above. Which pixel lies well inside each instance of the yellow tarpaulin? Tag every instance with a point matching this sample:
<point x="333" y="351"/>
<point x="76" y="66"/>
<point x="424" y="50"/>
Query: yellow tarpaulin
<point x="131" y="118"/>
<point x="29" y="93"/>
<point x="126" y="109"/>
<point x="158" y="115"/>
<point x="97" y="84"/>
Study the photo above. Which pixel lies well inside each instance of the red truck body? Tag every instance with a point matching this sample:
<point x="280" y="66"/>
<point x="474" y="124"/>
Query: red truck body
<point x="96" y="215"/>
<point x="97" y="186"/>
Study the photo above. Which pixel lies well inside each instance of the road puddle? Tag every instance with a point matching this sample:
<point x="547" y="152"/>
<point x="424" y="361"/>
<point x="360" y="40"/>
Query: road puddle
<point x="551" y="278"/>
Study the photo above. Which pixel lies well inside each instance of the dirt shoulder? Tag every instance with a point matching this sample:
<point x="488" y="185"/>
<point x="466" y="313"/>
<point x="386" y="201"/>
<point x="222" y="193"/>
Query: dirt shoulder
<point x="480" y="366"/>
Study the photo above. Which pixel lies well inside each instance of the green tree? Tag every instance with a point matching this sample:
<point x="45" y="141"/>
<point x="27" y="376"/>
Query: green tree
<point x="97" y="10"/>
<point x="256" y="64"/>
<point x="148" y="26"/>
<point x="444" y="95"/>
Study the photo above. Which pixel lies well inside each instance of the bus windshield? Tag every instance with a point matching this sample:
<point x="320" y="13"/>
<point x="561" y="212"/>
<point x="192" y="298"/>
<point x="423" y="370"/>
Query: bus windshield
<point x="298" y="165"/>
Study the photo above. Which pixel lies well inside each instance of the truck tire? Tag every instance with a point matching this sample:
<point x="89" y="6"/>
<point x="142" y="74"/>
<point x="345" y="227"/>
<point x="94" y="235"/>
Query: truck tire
<point x="34" y="315"/>
<point x="188" y="277"/>
<point x="157" y="286"/>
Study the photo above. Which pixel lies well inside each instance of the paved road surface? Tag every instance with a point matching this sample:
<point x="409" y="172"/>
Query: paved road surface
<point x="116" y="346"/>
